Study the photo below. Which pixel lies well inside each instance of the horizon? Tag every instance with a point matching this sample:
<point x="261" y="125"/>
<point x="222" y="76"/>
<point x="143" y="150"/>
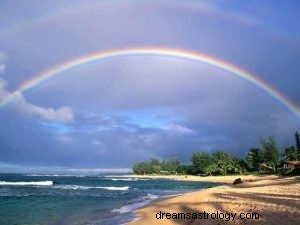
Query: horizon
<point x="58" y="170"/>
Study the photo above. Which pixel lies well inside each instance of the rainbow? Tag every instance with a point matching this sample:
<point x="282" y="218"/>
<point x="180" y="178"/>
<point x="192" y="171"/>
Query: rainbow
<point x="167" y="52"/>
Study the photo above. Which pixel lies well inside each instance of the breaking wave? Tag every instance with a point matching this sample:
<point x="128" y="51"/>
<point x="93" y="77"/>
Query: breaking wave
<point x="79" y="187"/>
<point x="126" y="179"/>
<point x="26" y="183"/>
<point x="145" y="200"/>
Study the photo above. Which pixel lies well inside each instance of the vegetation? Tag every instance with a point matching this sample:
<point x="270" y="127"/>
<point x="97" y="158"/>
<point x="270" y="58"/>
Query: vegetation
<point x="265" y="159"/>
<point x="254" y="158"/>
<point x="154" y="166"/>
<point x="291" y="154"/>
<point x="270" y="152"/>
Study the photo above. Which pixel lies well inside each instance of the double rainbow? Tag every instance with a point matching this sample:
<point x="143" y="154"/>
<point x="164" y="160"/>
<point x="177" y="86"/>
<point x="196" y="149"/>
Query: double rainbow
<point x="167" y="52"/>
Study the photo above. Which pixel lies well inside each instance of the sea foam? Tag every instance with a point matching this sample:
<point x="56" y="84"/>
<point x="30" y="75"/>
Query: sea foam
<point x="131" y="207"/>
<point x="126" y="179"/>
<point x="27" y="183"/>
<point x="79" y="187"/>
<point x="126" y="188"/>
<point x="121" y="179"/>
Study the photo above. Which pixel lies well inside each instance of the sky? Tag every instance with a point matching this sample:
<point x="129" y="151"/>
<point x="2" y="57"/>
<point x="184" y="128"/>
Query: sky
<point x="110" y="113"/>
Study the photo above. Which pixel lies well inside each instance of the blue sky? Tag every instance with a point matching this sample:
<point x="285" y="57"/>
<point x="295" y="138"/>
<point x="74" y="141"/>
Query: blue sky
<point x="111" y="113"/>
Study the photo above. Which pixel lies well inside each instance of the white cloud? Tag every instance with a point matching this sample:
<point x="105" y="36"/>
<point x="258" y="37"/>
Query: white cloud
<point x="19" y="104"/>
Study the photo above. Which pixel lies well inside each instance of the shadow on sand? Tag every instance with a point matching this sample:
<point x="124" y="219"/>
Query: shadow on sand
<point x="275" y="208"/>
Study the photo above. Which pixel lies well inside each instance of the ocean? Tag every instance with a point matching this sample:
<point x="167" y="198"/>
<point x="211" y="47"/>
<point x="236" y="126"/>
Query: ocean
<point x="33" y="199"/>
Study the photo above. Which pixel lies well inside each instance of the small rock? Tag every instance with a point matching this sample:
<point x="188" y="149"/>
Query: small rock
<point x="237" y="181"/>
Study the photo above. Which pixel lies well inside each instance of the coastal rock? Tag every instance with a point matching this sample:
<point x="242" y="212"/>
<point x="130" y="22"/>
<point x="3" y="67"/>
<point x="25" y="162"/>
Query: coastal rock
<point x="237" y="181"/>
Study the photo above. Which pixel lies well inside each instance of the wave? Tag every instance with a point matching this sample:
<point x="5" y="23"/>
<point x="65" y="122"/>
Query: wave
<point x="130" y="208"/>
<point x="121" y="179"/>
<point x="126" y="188"/>
<point x="26" y="183"/>
<point x="150" y="197"/>
<point x="79" y="187"/>
<point x="126" y="179"/>
<point x="145" y="200"/>
<point x="71" y="187"/>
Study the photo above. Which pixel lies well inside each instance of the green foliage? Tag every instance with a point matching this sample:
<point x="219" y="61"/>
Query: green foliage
<point x="154" y="166"/>
<point x="200" y="161"/>
<point x="212" y="168"/>
<point x="220" y="156"/>
<point x="183" y="169"/>
<point x="270" y="151"/>
<point x="254" y="158"/>
<point x="243" y="166"/>
<point x="223" y="161"/>
<point x="170" y="166"/>
<point x="290" y="154"/>
<point x="220" y="162"/>
<point x="238" y="165"/>
<point x="142" y="168"/>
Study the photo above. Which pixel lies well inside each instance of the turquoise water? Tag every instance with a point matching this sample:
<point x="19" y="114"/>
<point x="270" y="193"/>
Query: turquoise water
<point x="80" y="200"/>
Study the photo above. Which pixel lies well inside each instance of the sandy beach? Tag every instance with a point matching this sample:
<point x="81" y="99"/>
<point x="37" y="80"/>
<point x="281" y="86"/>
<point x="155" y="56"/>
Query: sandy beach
<point x="218" y="179"/>
<point x="276" y="200"/>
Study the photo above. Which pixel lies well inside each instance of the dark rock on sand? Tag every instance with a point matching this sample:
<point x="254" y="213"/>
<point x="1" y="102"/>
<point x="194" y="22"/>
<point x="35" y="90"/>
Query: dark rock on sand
<point x="237" y="181"/>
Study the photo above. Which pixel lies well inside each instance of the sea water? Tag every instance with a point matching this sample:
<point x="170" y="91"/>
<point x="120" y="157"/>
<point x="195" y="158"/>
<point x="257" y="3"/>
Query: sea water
<point x="33" y="199"/>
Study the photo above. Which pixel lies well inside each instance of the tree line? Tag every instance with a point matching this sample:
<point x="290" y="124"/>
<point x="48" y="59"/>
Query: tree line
<point x="265" y="159"/>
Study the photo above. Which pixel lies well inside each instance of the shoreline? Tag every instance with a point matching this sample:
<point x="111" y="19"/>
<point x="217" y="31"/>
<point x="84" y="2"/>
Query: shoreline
<point x="273" y="197"/>
<point x="227" y="179"/>
<point x="157" y="200"/>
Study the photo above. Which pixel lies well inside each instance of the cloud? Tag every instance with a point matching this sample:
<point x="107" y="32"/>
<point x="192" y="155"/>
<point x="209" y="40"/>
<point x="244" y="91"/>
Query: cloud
<point x="2" y="68"/>
<point x="180" y="129"/>
<point x="62" y="114"/>
<point x="22" y="106"/>
<point x="2" y="60"/>
<point x="2" y="57"/>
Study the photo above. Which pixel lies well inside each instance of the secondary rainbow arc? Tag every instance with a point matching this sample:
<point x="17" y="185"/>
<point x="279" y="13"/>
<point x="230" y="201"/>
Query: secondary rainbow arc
<point x="175" y="53"/>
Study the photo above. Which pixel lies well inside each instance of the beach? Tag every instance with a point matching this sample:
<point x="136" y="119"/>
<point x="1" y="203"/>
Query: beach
<point x="216" y="179"/>
<point x="276" y="200"/>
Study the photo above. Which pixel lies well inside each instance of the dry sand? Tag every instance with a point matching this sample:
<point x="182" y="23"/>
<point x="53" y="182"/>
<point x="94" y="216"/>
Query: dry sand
<point x="276" y="199"/>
